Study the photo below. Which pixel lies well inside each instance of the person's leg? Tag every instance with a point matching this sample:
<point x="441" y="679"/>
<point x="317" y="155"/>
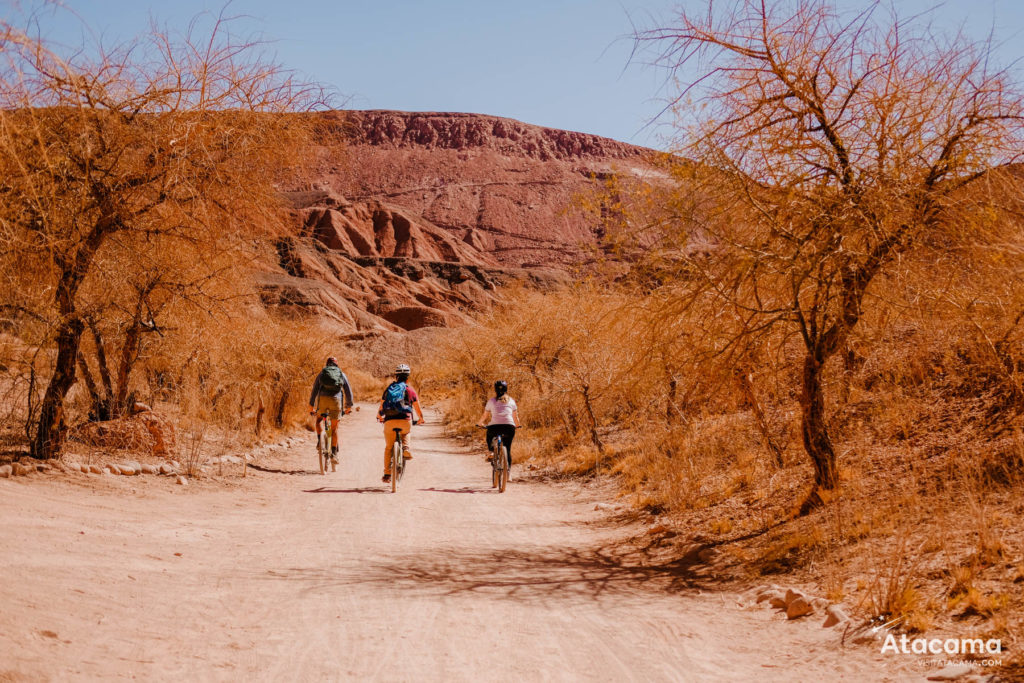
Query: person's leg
<point x="492" y="431"/>
<point x="334" y="434"/>
<point x="406" y="426"/>
<point x="506" y="438"/>
<point x="389" y="441"/>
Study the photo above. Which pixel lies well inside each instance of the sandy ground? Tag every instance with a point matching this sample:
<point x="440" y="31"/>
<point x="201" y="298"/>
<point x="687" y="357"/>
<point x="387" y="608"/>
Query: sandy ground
<point x="288" y="575"/>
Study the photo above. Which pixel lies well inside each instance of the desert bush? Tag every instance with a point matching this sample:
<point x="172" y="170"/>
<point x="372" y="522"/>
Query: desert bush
<point x="127" y="172"/>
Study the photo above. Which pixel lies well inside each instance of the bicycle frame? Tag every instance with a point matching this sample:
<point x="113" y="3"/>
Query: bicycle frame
<point x="499" y="464"/>
<point x="324" y="443"/>
<point x="397" y="460"/>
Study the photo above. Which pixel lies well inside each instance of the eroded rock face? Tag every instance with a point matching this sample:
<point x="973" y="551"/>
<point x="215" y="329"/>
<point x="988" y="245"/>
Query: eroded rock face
<point x="507" y="188"/>
<point x="419" y="217"/>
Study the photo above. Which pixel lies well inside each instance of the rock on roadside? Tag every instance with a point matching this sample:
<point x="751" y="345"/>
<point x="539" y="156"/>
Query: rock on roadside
<point x="951" y="673"/>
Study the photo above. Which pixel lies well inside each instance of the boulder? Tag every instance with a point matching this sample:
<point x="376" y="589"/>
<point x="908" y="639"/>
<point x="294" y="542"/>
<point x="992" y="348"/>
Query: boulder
<point x="834" y="616"/>
<point x="96" y="469"/>
<point x="127" y="469"/>
<point x="951" y="673"/>
<point x="181" y="481"/>
<point x="167" y="468"/>
<point x="114" y="469"/>
<point x="798" y="607"/>
<point x="20" y="470"/>
<point x="150" y="469"/>
<point x="6" y="471"/>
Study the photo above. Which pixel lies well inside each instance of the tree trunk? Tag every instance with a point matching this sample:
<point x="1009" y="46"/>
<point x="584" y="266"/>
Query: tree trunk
<point x="279" y="416"/>
<point x="747" y="389"/>
<point x="815" y="432"/>
<point x="592" y="419"/>
<point x="50" y="433"/>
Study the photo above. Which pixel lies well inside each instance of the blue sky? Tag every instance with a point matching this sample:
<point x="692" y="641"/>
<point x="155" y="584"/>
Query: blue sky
<point x="558" y="63"/>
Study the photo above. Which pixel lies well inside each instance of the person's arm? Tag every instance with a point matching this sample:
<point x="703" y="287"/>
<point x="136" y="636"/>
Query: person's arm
<point x="380" y="411"/>
<point x="349" y="402"/>
<point x="314" y="394"/>
<point x="515" y="417"/>
<point x="415" y="396"/>
<point x="482" y="422"/>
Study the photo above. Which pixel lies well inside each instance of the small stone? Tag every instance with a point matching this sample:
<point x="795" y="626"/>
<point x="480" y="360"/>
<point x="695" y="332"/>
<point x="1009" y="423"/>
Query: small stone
<point x="835" y="615"/>
<point x="181" y="481"/>
<point x="127" y="470"/>
<point x="798" y="608"/>
<point x="6" y="471"/>
<point x="135" y="467"/>
<point x="175" y="464"/>
<point x="20" y="470"/>
<point x="165" y="468"/>
<point x="771" y="597"/>
<point x="96" y="469"/>
<point x="150" y="469"/>
<point x="114" y="469"/>
<point x="951" y="673"/>
<point x="792" y="595"/>
<point x="606" y="507"/>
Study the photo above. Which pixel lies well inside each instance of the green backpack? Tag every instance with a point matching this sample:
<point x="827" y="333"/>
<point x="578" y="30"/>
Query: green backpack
<point x="330" y="380"/>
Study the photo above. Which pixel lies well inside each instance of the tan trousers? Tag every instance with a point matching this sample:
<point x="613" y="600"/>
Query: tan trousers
<point x="389" y="438"/>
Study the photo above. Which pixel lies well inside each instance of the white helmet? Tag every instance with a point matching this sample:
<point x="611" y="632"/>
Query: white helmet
<point x="402" y="369"/>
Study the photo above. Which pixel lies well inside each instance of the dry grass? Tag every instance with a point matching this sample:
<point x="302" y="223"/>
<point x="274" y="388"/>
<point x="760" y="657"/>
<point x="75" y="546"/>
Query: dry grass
<point x="926" y="525"/>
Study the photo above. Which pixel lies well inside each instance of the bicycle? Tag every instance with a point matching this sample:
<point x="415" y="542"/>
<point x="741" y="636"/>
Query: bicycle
<point x="397" y="465"/>
<point x="323" y="447"/>
<point x="499" y="464"/>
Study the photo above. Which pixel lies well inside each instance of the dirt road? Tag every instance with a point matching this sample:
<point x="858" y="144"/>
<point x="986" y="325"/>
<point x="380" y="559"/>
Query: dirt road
<point x="288" y="575"/>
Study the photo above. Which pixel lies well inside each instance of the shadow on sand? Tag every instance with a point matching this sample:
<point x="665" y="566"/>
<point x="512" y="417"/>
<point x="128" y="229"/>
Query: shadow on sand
<point x="519" y="574"/>
<point x="368" y="489"/>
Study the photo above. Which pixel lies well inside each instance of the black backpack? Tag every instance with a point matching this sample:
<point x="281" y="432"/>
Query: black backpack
<point x="330" y="380"/>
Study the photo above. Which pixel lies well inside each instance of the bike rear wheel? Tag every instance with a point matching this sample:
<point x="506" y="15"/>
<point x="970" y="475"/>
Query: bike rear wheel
<point x="503" y="470"/>
<point x="323" y="443"/>
<point x="396" y="465"/>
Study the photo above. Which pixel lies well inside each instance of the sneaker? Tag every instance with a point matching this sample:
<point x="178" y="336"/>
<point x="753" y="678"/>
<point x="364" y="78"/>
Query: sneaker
<point x="407" y="454"/>
<point x="334" y="458"/>
<point x="386" y="478"/>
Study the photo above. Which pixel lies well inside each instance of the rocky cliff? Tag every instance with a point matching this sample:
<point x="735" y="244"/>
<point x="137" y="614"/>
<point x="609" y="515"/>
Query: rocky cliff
<point x="410" y="219"/>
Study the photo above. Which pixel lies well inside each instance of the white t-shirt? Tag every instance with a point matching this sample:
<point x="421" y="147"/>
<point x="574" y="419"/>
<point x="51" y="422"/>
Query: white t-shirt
<point x="501" y="413"/>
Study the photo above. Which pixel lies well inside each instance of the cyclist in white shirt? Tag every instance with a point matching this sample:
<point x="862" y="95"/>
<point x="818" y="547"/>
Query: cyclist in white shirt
<point x="501" y="415"/>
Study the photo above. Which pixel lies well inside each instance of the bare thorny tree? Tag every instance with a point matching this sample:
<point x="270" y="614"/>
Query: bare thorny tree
<point x="129" y="177"/>
<point x="828" y="147"/>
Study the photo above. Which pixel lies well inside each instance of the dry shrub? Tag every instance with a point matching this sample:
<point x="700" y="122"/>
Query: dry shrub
<point x="605" y="385"/>
<point x="148" y="432"/>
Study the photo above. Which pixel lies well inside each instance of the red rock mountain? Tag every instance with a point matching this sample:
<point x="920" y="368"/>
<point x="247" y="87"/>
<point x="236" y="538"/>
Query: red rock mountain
<point x="409" y="219"/>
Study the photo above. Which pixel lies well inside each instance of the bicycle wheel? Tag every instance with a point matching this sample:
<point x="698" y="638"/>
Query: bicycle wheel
<point x="495" y="476"/>
<point x="396" y="467"/>
<point x="329" y="450"/>
<point x="320" y="451"/>
<point x="503" y="471"/>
